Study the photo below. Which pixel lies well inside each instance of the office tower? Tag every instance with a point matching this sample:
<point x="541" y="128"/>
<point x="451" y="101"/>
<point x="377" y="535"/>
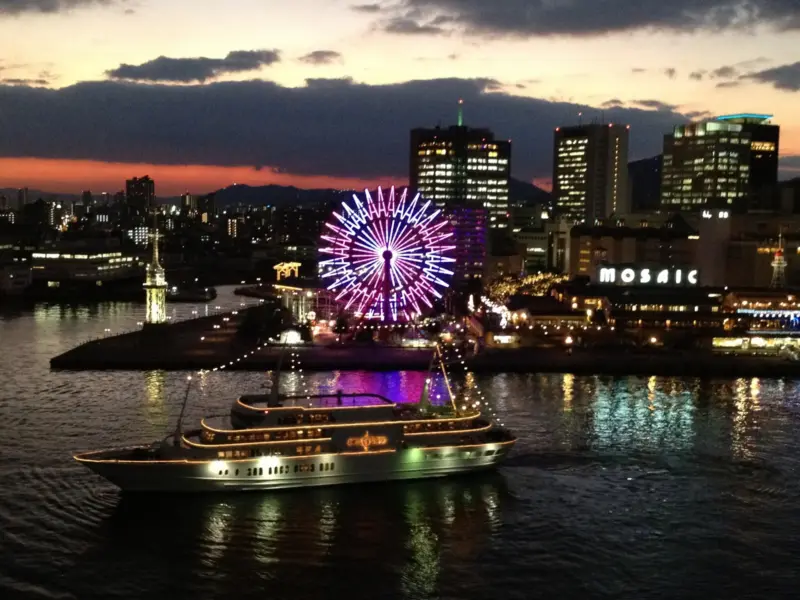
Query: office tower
<point x="119" y="197"/>
<point x="465" y="171"/>
<point x="189" y="203"/>
<point x="722" y="163"/>
<point x="206" y="208"/>
<point x="590" y="171"/>
<point x="644" y="184"/>
<point x="22" y="198"/>
<point x="462" y="166"/>
<point x="141" y="194"/>
<point x="86" y="198"/>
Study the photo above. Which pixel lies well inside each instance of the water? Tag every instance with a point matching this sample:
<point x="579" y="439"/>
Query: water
<point x="618" y="488"/>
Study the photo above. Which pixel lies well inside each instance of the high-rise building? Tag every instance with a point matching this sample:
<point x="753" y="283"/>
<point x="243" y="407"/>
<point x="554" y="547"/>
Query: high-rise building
<point x="462" y="167"/>
<point x="721" y="163"/>
<point x="87" y="198"/>
<point x="22" y="198"/>
<point x="189" y="203"/>
<point x="207" y="207"/>
<point x="141" y="194"/>
<point x="466" y="172"/>
<point x="590" y="171"/>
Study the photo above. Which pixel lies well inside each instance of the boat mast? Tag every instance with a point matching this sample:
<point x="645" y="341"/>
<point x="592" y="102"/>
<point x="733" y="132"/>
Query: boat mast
<point x="178" y="432"/>
<point x="276" y="378"/>
<point x="424" y="397"/>
<point x="446" y="380"/>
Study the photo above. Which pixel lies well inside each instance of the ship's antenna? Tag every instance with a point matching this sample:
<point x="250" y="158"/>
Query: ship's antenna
<point x="177" y="438"/>
<point x="446" y="380"/>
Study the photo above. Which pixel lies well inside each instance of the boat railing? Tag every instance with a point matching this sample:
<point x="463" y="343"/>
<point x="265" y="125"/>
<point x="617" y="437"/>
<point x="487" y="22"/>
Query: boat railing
<point x="259" y="402"/>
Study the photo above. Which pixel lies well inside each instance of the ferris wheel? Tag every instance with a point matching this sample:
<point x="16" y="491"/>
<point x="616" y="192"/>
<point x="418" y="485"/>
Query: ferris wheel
<point x="387" y="258"/>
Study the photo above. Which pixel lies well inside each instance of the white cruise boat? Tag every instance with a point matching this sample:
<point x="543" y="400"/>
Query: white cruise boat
<point x="270" y="442"/>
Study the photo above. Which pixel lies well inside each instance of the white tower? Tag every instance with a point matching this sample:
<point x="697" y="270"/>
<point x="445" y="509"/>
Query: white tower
<point x="155" y="284"/>
<point x="779" y="266"/>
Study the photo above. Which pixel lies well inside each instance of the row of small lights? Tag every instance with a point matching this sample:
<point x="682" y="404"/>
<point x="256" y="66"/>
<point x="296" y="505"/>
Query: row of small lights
<point x="482" y="400"/>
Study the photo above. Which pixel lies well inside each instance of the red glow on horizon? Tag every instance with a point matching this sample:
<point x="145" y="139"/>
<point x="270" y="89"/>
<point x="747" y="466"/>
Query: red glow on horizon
<point x="74" y="176"/>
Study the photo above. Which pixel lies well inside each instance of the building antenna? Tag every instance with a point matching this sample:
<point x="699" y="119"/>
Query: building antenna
<point x="460" y="112"/>
<point x="580" y="118"/>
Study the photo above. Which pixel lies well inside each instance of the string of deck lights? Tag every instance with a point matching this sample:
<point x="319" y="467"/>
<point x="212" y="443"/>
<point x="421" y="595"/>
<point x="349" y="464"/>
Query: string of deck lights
<point x="482" y="400"/>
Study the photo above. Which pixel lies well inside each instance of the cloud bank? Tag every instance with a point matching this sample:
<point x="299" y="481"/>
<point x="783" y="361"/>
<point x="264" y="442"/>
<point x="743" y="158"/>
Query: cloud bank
<point x="529" y="18"/>
<point x="334" y="127"/>
<point x="187" y="70"/>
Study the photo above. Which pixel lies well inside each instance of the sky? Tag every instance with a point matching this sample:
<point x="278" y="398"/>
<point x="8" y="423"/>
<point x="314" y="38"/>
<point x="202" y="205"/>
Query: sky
<point x="323" y="93"/>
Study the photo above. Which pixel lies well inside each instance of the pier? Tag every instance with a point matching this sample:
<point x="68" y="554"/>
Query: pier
<point x="209" y="342"/>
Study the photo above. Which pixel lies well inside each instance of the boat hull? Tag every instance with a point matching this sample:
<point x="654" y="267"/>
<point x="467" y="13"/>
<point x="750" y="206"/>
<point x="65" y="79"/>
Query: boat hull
<point x="280" y="473"/>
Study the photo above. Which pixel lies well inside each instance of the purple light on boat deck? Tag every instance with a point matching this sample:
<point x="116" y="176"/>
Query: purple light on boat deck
<point x="404" y="240"/>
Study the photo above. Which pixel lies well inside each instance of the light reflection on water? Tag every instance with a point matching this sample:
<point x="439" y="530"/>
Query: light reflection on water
<point x="684" y="471"/>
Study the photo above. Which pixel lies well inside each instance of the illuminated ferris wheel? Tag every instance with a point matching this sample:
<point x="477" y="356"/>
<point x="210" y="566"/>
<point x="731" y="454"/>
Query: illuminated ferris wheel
<point x="387" y="258"/>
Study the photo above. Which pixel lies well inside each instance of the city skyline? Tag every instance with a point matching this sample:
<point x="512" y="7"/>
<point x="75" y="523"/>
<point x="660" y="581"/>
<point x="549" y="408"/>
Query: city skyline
<point x="323" y="93"/>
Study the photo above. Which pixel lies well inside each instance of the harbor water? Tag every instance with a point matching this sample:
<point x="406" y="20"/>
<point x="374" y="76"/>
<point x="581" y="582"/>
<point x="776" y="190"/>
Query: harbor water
<point x="619" y="487"/>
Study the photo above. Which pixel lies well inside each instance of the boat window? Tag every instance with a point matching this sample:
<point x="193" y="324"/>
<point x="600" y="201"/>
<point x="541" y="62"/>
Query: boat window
<point x="316" y="450"/>
<point x="333" y="466"/>
<point x="489" y="452"/>
<point x="226" y="471"/>
<point x="237" y="471"/>
<point x="320" y="466"/>
<point x="296" y="468"/>
<point x="260" y="471"/>
<point x="266" y="437"/>
<point x="220" y="471"/>
<point x="248" y="471"/>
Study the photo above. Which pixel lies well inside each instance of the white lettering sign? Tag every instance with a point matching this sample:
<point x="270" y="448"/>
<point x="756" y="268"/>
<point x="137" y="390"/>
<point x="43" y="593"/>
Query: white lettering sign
<point x="608" y="275"/>
<point x="646" y="276"/>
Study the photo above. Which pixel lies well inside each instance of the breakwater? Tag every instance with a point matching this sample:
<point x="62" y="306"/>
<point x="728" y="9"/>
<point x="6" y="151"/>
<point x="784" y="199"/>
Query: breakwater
<point x="211" y="342"/>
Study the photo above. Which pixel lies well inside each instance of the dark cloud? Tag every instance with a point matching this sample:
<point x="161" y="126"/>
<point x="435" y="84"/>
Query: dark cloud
<point x="789" y="166"/>
<point x="367" y="8"/>
<point x="786" y="77"/>
<point x="697" y="75"/>
<point x="527" y="18"/>
<point x="411" y="27"/>
<point x="328" y="127"/>
<point x="27" y="82"/>
<point x="671" y="73"/>
<point x="321" y="57"/>
<point x="726" y="72"/>
<point x="186" y="70"/>
<point x="16" y="7"/>
<point x="638" y="70"/>
<point x="728" y="84"/>
<point x="656" y="105"/>
<point x="613" y="103"/>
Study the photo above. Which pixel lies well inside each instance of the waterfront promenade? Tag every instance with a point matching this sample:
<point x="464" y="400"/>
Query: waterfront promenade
<point x="210" y="342"/>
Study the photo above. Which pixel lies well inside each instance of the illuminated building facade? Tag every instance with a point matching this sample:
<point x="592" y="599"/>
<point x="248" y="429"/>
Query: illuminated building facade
<point x="590" y="171"/>
<point x="469" y="226"/>
<point x="726" y="162"/>
<point x="462" y="166"/>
